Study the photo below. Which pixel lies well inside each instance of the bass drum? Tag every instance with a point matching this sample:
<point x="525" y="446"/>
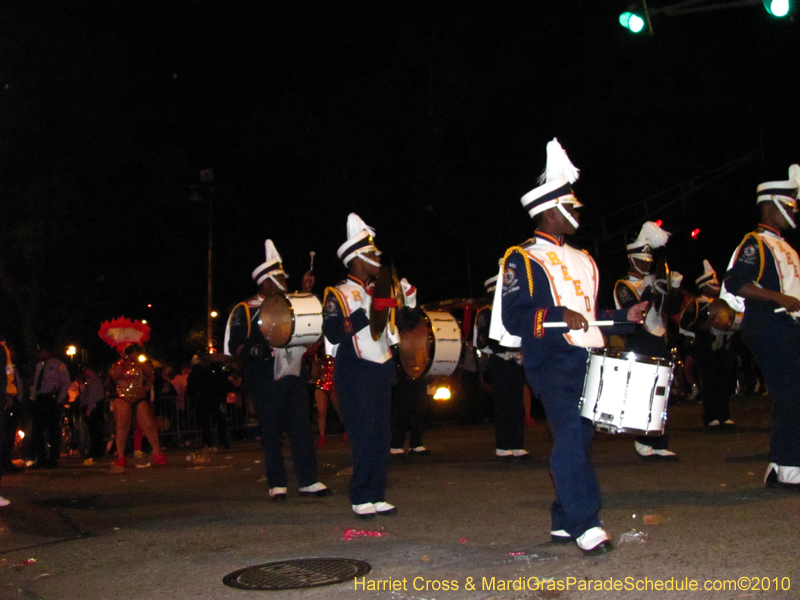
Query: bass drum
<point x="288" y="320"/>
<point x="433" y="347"/>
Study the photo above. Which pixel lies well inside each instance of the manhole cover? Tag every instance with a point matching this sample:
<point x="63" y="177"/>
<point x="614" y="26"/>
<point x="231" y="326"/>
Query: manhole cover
<point x="299" y="573"/>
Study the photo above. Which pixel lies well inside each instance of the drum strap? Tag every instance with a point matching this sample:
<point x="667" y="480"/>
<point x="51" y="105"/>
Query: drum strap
<point x="524" y="254"/>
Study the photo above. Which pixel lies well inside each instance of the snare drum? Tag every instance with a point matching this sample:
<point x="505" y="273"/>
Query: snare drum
<point x="433" y="347"/>
<point x="625" y="392"/>
<point x="288" y="320"/>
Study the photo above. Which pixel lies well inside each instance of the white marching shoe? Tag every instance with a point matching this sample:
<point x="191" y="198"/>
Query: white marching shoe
<point x="594" y="541"/>
<point x="365" y="511"/>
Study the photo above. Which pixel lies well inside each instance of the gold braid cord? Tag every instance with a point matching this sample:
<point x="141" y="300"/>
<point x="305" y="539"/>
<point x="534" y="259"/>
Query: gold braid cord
<point x="348" y="325"/>
<point x="521" y="250"/>
<point x="754" y="235"/>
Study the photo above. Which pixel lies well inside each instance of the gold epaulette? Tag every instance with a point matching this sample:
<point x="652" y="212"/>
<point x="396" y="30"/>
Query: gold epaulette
<point x="521" y="250"/>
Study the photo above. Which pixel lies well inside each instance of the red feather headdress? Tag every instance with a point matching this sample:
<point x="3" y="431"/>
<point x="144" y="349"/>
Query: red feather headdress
<point x="121" y="332"/>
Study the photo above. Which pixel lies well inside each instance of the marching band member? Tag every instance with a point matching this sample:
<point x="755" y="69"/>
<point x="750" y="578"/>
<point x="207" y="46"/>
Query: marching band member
<point x="764" y="277"/>
<point x="508" y="389"/>
<point x="365" y="371"/>
<point x="706" y="322"/>
<point x="650" y="337"/>
<point x="545" y="280"/>
<point x="273" y="377"/>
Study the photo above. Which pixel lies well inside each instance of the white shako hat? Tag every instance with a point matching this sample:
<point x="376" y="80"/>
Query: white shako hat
<point x="651" y="236"/>
<point x="272" y="267"/>
<point x="490" y="284"/>
<point x="359" y="240"/>
<point x="708" y="278"/>
<point x="557" y="180"/>
<point x="781" y="191"/>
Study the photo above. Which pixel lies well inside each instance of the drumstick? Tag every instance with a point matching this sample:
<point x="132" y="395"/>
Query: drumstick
<point x="311" y="254"/>
<point x="591" y="324"/>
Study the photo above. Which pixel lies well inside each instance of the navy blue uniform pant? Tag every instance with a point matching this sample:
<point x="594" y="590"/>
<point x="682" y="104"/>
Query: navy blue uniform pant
<point x="777" y="352"/>
<point x="409" y="409"/>
<point x="717" y="371"/>
<point x="365" y="399"/>
<point x="508" y="393"/>
<point x="559" y="384"/>
<point x="282" y="405"/>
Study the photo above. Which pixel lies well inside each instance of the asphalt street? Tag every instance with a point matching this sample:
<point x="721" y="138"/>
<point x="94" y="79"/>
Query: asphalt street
<point x="470" y="526"/>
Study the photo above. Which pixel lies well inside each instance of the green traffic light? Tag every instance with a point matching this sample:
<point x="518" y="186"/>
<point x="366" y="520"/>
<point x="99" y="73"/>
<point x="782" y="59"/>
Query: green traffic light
<point x="778" y="8"/>
<point x="631" y="21"/>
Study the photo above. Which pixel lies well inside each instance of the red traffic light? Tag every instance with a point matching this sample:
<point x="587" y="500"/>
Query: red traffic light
<point x="695" y="233"/>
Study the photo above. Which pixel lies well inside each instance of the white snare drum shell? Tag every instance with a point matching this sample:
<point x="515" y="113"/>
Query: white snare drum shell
<point x="626" y="393"/>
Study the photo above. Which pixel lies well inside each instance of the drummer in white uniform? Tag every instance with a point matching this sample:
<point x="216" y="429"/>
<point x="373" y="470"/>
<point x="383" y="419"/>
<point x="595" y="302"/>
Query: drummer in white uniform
<point x="274" y="379"/>
<point x="665" y="300"/>
<point x="546" y="282"/>
<point x="365" y="371"/>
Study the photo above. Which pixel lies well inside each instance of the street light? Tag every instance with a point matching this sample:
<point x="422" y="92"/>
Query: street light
<point x="71" y="351"/>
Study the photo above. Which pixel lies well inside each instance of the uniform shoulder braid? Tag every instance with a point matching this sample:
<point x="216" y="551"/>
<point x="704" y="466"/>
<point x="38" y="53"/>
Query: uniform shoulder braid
<point x="509" y="275"/>
<point x="748" y="254"/>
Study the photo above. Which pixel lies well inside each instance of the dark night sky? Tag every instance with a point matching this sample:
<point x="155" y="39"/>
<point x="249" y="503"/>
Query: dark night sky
<point x="428" y="119"/>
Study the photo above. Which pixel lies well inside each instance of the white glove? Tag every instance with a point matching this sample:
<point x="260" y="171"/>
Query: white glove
<point x="675" y="280"/>
<point x="410" y="292"/>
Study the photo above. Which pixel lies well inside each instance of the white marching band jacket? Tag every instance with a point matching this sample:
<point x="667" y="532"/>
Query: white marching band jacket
<point x="786" y="262"/>
<point x="565" y="267"/>
<point x="288" y="361"/>
<point x="351" y="296"/>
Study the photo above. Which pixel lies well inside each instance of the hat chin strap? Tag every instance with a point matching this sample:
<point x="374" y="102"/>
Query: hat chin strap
<point x="785" y="214"/>
<point x="567" y="216"/>
<point x="636" y="266"/>
<point x="369" y="261"/>
<point x="282" y="288"/>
